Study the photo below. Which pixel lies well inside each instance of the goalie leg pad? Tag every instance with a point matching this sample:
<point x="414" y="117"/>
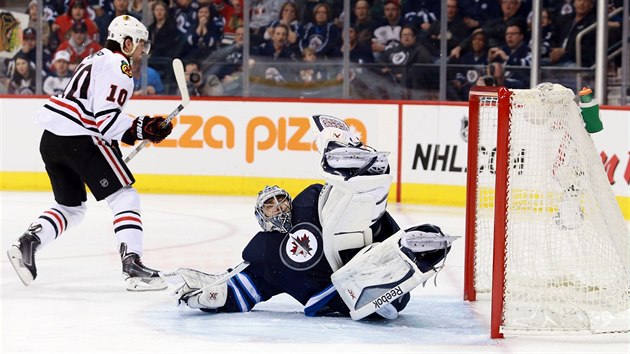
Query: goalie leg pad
<point x="376" y="276"/>
<point x="347" y="209"/>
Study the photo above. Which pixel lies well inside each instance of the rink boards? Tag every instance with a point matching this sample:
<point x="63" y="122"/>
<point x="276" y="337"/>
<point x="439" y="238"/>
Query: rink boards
<point x="235" y="146"/>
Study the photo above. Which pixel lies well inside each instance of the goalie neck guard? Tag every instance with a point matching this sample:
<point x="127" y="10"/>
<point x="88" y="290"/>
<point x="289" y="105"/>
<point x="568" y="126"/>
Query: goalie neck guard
<point x="273" y="209"/>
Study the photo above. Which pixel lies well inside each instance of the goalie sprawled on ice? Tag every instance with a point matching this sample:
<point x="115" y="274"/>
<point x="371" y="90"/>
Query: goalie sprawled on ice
<point x="334" y="247"/>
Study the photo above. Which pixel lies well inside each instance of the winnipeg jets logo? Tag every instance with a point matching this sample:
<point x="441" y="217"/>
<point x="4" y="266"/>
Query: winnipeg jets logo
<point x="301" y="248"/>
<point x="400" y="58"/>
<point x="301" y="245"/>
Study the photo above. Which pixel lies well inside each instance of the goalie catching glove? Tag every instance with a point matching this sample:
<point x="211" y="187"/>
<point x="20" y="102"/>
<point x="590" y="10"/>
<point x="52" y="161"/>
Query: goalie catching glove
<point x="153" y="129"/>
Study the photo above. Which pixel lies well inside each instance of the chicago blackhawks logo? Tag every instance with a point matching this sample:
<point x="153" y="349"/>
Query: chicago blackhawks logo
<point x="125" y="68"/>
<point x="302" y="247"/>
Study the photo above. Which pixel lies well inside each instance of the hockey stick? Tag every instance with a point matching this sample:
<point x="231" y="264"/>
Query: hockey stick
<point x="239" y="268"/>
<point x="178" y="70"/>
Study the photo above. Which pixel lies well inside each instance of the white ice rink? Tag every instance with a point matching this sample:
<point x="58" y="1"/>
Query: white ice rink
<point x="78" y="303"/>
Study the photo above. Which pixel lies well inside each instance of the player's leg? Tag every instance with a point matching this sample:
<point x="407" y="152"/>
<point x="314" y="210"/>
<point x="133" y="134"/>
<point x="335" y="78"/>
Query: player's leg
<point x="108" y="178"/>
<point x="67" y="212"/>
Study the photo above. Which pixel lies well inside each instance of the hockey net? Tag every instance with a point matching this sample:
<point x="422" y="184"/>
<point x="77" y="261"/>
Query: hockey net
<point x="544" y="234"/>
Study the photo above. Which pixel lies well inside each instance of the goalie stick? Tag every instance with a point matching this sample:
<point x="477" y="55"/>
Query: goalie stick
<point x="178" y="70"/>
<point x="239" y="268"/>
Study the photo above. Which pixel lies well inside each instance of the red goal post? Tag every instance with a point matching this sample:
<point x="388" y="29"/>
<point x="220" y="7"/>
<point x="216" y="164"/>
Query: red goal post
<point x="544" y="234"/>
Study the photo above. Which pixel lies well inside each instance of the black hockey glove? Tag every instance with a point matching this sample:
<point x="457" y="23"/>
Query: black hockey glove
<point x="147" y="128"/>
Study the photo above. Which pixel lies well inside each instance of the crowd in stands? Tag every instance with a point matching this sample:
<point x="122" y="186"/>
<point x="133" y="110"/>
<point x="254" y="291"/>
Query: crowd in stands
<point x="394" y="44"/>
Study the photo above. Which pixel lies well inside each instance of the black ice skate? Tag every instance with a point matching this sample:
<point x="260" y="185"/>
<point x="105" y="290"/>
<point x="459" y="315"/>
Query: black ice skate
<point x="137" y="276"/>
<point x="22" y="254"/>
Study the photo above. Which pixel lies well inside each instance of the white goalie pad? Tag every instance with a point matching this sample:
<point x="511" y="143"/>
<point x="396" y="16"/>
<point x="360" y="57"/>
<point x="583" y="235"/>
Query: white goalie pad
<point x="347" y="209"/>
<point x="376" y="276"/>
<point x="193" y="280"/>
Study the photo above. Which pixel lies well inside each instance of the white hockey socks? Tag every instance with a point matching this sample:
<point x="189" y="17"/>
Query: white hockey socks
<point x="56" y="220"/>
<point x="125" y="205"/>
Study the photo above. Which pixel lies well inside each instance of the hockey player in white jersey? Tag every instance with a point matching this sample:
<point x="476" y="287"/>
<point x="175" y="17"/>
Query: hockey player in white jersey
<point x="79" y="146"/>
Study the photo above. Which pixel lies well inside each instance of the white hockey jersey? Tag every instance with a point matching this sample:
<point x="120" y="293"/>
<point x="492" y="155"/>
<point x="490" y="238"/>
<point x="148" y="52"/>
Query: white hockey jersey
<point x="93" y="101"/>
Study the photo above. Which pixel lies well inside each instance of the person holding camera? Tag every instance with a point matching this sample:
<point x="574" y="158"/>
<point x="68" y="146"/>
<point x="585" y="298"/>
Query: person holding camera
<point x="198" y="85"/>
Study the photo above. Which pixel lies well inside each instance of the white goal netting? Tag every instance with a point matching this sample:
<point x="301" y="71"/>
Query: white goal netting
<point x="567" y="249"/>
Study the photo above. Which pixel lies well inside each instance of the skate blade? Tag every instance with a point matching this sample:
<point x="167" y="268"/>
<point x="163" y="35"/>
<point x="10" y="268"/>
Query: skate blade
<point x="15" y="257"/>
<point x="145" y="284"/>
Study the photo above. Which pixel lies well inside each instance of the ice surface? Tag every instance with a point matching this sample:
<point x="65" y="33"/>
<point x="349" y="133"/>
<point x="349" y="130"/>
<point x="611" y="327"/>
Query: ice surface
<point x="78" y="303"/>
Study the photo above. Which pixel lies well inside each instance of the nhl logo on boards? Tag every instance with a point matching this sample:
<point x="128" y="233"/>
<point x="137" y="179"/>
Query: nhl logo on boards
<point x="302" y="248"/>
<point x="463" y="130"/>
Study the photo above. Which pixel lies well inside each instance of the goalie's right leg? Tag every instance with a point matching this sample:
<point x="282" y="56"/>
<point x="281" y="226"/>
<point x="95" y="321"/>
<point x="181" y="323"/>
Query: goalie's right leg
<point x="382" y="273"/>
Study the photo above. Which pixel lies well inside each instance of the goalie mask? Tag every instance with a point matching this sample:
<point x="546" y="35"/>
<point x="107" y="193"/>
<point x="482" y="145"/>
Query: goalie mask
<point x="273" y="209"/>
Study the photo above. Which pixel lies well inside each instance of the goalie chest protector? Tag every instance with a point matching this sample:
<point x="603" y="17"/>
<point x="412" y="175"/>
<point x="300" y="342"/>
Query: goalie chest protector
<point x="293" y="263"/>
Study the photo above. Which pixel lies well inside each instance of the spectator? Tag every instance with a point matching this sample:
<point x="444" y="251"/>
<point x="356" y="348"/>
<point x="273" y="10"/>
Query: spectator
<point x="288" y="16"/>
<point x="263" y="12"/>
<point x="493" y="28"/>
<point x="228" y="65"/>
<point x="360" y="53"/>
<point x="321" y="34"/>
<point x="362" y="22"/>
<point x="23" y="78"/>
<point x="166" y="39"/>
<point x="197" y="84"/>
<point x="387" y="30"/>
<point x="306" y="8"/>
<point x="278" y="49"/>
<point x="46" y="34"/>
<point x="360" y="57"/>
<point x="311" y="72"/>
<point x="77" y="11"/>
<point x="456" y="30"/>
<point x="53" y="8"/>
<point x="167" y="42"/>
<point x="29" y="48"/>
<point x="136" y="8"/>
<point x="494" y="75"/>
<point x="57" y="81"/>
<point x="206" y="34"/>
<point x="421" y="13"/>
<point x="515" y="53"/>
<point x="120" y="8"/>
<point x="545" y="35"/>
<point x="398" y="62"/>
<point x="154" y="83"/>
<point x="99" y="7"/>
<point x="564" y="39"/>
<point x="185" y="13"/>
<point x="234" y="21"/>
<point x="80" y="46"/>
<point x="460" y="86"/>
<point x="227" y="14"/>
<point x="477" y="12"/>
